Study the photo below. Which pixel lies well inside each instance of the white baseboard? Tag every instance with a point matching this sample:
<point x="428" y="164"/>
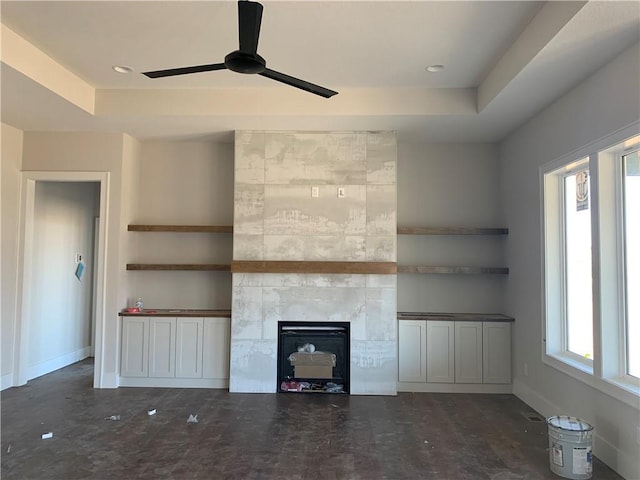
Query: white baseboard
<point x="222" y="383"/>
<point x="623" y="463"/>
<point x="536" y="401"/>
<point x="454" y="387"/>
<point x="49" y="366"/>
<point x="6" y="381"/>
<point x="109" y="380"/>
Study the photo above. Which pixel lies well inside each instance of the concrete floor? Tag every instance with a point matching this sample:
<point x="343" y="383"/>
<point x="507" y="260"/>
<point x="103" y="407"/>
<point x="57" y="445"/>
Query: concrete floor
<point x="265" y="436"/>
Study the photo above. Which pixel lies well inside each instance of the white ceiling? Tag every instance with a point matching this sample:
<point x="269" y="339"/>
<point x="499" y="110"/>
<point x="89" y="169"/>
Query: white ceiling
<point x="504" y="61"/>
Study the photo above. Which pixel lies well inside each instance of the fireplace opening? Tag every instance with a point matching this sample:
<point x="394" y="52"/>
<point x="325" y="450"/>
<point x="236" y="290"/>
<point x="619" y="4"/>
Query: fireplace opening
<point x="313" y="357"/>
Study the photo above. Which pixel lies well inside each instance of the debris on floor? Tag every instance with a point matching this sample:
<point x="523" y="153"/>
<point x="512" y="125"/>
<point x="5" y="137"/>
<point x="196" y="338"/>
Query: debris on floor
<point x="295" y="386"/>
<point x="9" y="449"/>
<point x="47" y="435"/>
<point x="331" y="387"/>
<point x="113" y="417"/>
<point x="151" y="412"/>
<point x="192" y="418"/>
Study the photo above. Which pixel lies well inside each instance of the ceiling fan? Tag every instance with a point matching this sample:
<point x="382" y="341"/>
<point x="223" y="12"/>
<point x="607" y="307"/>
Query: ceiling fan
<point x="246" y="59"/>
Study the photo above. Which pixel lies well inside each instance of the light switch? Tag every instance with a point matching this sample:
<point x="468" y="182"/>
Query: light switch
<point x="315" y="192"/>
<point x="341" y="193"/>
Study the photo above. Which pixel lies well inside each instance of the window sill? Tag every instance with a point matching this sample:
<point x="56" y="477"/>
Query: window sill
<point x="626" y="384"/>
<point x="620" y="388"/>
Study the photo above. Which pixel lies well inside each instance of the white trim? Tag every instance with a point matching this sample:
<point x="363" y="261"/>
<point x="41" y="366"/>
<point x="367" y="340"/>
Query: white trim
<point x="534" y="399"/>
<point x="218" y="383"/>
<point x="25" y="268"/>
<point x="6" y="381"/>
<point x="454" y="387"/>
<point x="601" y="144"/>
<point x="94" y="287"/>
<point x="57" y="363"/>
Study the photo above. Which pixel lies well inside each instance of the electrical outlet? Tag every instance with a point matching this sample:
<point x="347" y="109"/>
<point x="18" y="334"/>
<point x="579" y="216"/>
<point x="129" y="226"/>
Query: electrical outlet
<point x="78" y="257"/>
<point x="315" y="192"/>
<point x="341" y="192"/>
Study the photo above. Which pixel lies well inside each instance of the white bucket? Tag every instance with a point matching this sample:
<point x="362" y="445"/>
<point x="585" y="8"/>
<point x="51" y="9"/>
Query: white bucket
<point x="570" y="447"/>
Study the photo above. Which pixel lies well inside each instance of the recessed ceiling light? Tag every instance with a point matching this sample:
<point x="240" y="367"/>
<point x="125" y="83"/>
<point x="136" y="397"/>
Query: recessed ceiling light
<point x="434" y="68"/>
<point x="122" y="69"/>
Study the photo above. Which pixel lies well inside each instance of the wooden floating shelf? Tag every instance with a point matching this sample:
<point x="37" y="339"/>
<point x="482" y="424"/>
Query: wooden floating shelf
<point x="250" y="266"/>
<point x="452" y="270"/>
<point x="204" y="267"/>
<point x="451" y="231"/>
<point x="455" y="317"/>
<point x="182" y="228"/>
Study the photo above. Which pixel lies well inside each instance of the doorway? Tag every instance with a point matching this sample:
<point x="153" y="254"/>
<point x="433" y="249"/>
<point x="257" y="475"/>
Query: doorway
<point x="58" y="274"/>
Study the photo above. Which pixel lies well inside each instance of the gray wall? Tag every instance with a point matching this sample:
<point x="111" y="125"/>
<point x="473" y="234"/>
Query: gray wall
<point x="450" y="185"/>
<point x="603" y="104"/>
<point x="183" y="183"/>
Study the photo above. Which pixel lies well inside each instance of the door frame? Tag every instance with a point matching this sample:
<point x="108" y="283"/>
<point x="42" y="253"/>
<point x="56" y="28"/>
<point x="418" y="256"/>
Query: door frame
<point x="26" y="268"/>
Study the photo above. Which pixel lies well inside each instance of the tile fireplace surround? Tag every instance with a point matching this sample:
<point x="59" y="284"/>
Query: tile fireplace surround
<point x="276" y="218"/>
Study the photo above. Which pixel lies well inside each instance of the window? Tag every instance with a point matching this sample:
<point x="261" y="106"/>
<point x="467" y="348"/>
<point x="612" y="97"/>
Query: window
<point x="591" y="214"/>
<point x="631" y="206"/>
<point x="569" y="262"/>
<point x="577" y="265"/>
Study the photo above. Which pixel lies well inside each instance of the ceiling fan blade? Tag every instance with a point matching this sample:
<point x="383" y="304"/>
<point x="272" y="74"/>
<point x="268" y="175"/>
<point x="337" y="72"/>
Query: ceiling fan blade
<point x="185" y="70"/>
<point x="296" y="82"/>
<point x="249" y="19"/>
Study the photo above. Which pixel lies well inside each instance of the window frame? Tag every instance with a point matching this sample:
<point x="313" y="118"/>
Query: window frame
<point x="607" y="370"/>
<point x="624" y="353"/>
<point x="580" y="165"/>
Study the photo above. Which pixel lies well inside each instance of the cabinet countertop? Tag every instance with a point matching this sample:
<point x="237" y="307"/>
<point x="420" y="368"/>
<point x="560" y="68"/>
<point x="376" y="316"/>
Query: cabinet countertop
<point x="177" y="312"/>
<point x="455" y="317"/>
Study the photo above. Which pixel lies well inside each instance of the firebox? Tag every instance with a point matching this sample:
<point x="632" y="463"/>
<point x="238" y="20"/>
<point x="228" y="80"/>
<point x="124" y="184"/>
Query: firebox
<point x="313" y="357"/>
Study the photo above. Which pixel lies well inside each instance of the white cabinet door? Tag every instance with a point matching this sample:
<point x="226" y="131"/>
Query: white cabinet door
<point x="162" y="346"/>
<point x="215" y="349"/>
<point x="496" y="348"/>
<point x="468" y="352"/>
<point x="189" y="347"/>
<point x="412" y="343"/>
<point x="440" y="352"/>
<point x="134" y="358"/>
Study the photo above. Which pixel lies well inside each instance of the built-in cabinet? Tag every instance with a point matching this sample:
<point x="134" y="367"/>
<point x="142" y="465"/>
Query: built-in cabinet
<point x="464" y="356"/>
<point x="134" y="348"/>
<point x="440" y="352"/>
<point x="175" y="351"/>
<point x="412" y="351"/>
<point x="496" y="352"/>
<point x="453" y="352"/>
<point x="468" y="352"/>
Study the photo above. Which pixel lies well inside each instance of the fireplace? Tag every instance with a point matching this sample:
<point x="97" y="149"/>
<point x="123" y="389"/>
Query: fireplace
<point x="277" y="220"/>
<point x="313" y="357"/>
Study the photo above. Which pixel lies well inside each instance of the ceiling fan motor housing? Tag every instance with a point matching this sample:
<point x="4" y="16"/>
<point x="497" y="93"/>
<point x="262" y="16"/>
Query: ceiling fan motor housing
<point x="240" y="62"/>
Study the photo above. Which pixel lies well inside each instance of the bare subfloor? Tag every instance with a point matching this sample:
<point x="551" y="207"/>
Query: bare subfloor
<point x="265" y="436"/>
